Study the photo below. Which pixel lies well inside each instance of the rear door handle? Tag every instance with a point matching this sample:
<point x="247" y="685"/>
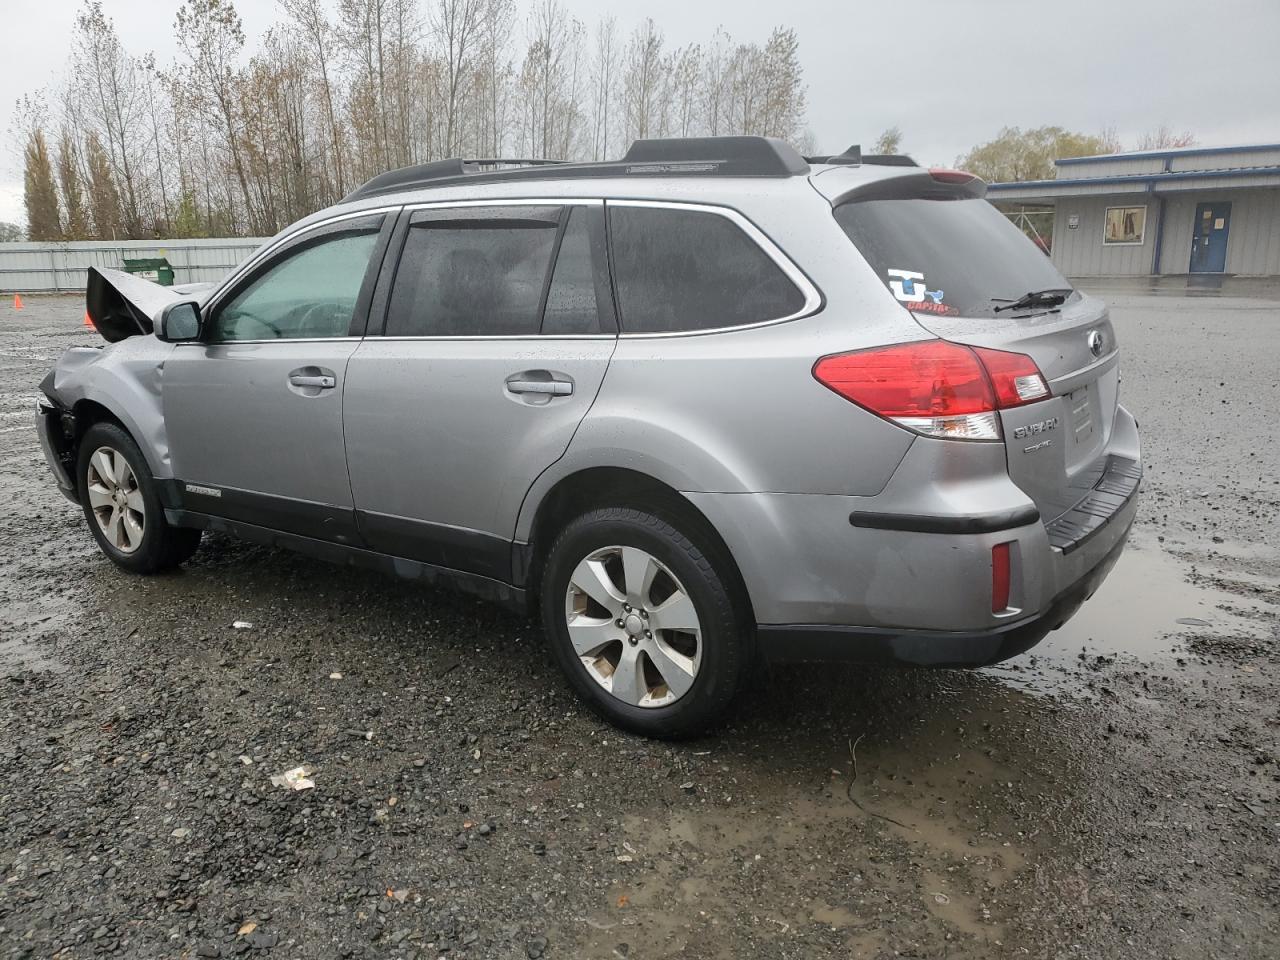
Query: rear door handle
<point x="323" y="382"/>
<point x="552" y="388"/>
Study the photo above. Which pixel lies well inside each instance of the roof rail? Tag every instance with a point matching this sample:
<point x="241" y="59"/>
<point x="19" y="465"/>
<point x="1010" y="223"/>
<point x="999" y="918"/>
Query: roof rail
<point x="855" y="157"/>
<point x="692" y="156"/>
<point x="731" y="156"/>
<point x="496" y="162"/>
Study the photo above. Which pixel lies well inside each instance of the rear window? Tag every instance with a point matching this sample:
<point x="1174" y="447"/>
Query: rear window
<point x="947" y="257"/>
<point x="687" y="270"/>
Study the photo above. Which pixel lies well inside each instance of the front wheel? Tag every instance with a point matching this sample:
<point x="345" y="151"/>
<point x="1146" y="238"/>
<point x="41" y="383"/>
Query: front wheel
<point x="643" y="622"/>
<point x="123" y="507"/>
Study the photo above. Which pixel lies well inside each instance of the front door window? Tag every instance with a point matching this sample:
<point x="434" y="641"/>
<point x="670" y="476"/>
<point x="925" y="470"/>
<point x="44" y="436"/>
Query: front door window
<point x="310" y="294"/>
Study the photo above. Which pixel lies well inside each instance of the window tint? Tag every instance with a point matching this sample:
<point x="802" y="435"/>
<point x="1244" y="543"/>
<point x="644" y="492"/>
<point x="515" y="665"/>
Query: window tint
<point x="478" y="275"/>
<point x="310" y="293"/>
<point x="947" y="257"/>
<point x="690" y="270"/>
<point x="572" y="307"/>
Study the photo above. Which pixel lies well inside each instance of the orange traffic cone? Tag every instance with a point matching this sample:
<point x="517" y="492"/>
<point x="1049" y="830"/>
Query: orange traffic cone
<point x="87" y="322"/>
<point x="17" y="301"/>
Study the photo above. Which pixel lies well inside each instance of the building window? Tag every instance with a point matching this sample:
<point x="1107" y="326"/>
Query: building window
<point x="1124" y="225"/>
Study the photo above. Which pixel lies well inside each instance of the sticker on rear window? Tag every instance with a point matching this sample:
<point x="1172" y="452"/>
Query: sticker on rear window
<point x="909" y="287"/>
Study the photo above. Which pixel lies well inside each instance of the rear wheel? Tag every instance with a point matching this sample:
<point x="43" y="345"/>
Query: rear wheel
<point x="122" y="505"/>
<point x="642" y="621"/>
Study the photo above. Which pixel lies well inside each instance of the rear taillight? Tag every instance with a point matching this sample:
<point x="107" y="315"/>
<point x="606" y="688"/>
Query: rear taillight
<point x="935" y="387"/>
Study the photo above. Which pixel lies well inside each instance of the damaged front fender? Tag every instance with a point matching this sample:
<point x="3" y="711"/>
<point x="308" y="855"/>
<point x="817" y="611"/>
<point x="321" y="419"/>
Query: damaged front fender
<point x="121" y="380"/>
<point x="124" y="379"/>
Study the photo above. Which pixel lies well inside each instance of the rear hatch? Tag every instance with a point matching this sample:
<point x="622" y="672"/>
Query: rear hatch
<point x="961" y="268"/>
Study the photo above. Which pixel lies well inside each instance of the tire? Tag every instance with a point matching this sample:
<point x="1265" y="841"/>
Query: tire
<point x="122" y="505"/>
<point x="671" y="682"/>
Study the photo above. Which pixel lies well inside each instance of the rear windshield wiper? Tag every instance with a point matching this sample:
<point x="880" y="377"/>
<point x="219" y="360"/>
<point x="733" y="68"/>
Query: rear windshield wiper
<point x="1036" y="298"/>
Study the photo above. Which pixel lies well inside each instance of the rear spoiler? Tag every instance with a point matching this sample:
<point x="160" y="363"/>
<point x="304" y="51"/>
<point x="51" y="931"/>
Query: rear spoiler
<point x="930" y="184"/>
<point x="120" y="305"/>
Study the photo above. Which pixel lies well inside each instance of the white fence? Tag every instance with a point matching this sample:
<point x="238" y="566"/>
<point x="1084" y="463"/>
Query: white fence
<point x="48" y="267"/>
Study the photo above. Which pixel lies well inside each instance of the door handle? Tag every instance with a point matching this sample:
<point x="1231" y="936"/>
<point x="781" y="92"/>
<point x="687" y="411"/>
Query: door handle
<point x="551" y="388"/>
<point x="323" y="382"/>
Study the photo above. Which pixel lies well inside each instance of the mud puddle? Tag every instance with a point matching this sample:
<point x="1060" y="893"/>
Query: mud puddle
<point x="854" y="809"/>
<point x="1154" y="608"/>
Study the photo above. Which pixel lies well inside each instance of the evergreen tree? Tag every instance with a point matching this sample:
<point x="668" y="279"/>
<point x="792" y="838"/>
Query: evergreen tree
<point x="39" y="192"/>
<point x="104" y="200"/>
<point x="76" y="226"/>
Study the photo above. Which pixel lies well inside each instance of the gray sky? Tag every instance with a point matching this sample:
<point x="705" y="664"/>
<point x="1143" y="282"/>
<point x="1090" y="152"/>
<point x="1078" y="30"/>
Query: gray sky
<point x="950" y="73"/>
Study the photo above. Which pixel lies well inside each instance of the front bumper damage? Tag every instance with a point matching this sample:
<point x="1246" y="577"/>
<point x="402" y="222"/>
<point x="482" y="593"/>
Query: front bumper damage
<point x="56" y="429"/>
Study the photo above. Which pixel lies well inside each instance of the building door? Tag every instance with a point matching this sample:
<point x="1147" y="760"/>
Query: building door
<point x="1209" y="242"/>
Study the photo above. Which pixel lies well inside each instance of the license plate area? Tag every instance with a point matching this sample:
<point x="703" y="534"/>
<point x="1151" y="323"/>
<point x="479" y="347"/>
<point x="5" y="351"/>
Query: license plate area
<point x="1080" y="413"/>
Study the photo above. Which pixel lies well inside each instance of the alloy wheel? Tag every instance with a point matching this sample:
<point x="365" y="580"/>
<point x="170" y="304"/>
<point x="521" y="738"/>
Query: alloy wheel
<point x="115" y="499"/>
<point x="634" y="627"/>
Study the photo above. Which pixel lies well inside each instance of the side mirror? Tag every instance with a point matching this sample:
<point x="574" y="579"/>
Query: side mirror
<point x="179" y="322"/>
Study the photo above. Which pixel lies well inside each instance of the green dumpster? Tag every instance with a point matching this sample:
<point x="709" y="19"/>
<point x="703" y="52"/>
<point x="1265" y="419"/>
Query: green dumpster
<point x="155" y="269"/>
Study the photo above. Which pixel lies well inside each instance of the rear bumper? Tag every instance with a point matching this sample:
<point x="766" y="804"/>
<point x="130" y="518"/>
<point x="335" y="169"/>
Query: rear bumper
<point x="907" y="575"/>
<point x="931" y="648"/>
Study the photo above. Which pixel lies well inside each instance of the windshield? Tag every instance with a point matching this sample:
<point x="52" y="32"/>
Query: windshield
<point x="948" y="257"/>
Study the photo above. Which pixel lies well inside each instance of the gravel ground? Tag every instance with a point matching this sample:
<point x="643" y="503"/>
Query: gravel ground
<point x="1114" y="793"/>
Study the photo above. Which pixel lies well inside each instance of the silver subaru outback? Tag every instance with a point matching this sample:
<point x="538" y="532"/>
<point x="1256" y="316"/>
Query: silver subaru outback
<point x="712" y="403"/>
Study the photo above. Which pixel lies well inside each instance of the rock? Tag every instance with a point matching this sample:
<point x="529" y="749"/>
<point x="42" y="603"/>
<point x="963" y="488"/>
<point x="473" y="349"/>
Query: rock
<point x="535" y="948"/>
<point x="261" y="940"/>
<point x="208" y="949"/>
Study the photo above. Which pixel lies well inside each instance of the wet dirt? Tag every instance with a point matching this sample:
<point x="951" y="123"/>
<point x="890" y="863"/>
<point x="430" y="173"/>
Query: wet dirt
<point x="1113" y="793"/>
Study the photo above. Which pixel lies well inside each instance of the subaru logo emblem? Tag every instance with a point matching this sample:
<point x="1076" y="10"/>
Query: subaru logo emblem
<point x="1097" y="342"/>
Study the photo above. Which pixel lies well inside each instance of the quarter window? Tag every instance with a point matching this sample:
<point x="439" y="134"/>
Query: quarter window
<point x="481" y="273"/>
<point x="688" y="270"/>
<point x="310" y="293"/>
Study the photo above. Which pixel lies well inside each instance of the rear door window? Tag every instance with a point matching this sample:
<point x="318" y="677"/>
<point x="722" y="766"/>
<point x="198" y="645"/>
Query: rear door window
<point x="947" y="257"/>
<point x="473" y="272"/>
<point x="688" y="270"/>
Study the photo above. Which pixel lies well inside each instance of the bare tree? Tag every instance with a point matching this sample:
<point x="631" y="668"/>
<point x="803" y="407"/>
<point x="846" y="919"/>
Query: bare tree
<point x="555" y="41"/>
<point x="313" y="23"/>
<point x="604" y="80"/>
<point x="644" y="83"/>
<point x="458" y="27"/>
<point x="111" y="92"/>
<point x="211" y="34"/>
<point x="1165" y="138"/>
<point x="717" y="68"/>
<point x="230" y="140"/>
<point x="686" y="76"/>
<point x="783" y="95"/>
<point x="890" y="141"/>
<point x="496" y="73"/>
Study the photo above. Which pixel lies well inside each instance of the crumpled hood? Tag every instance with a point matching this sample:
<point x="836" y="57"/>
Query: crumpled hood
<point x="121" y="305"/>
